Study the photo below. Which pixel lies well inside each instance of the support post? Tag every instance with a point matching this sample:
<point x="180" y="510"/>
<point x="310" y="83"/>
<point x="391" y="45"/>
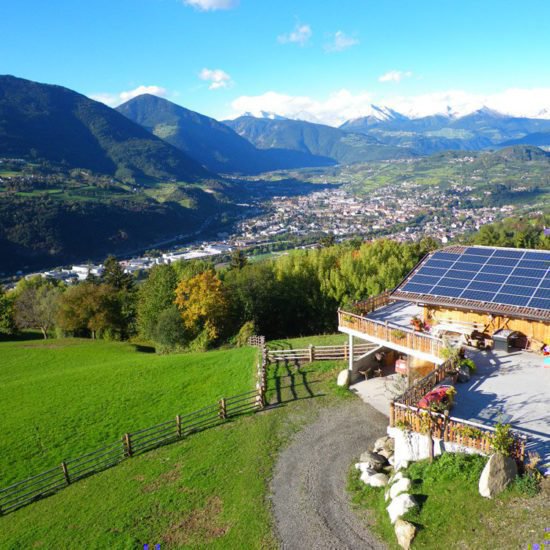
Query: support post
<point x="65" y="473"/>
<point x="178" y="425"/>
<point x="350" y="353"/>
<point x="127" y="441"/>
<point x="445" y="424"/>
<point x="222" y="413"/>
<point x="311" y="353"/>
<point x="392" y="414"/>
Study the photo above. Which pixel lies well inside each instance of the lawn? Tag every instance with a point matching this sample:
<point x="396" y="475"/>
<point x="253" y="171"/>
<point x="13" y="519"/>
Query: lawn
<point x="336" y="339"/>
<point x="209" y="490"/>
<point x="62" y="398"/>
<point x="452" y="513"/>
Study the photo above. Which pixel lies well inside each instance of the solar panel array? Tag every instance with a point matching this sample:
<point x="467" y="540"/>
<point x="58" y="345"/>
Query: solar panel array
<point x="510" y="277"/>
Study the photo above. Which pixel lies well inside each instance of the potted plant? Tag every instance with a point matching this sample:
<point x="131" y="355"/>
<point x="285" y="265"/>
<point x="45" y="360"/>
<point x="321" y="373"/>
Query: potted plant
<point x="417" y="324"/>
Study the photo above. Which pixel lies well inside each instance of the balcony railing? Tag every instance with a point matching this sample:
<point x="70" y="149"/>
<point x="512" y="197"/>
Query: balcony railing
<point x="392" y="334"/>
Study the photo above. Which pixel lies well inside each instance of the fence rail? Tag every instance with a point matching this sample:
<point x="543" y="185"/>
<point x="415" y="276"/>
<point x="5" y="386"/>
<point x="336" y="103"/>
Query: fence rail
<point x="394" y="334"/>
<point x="318" y="353"/>
<point x="131" y="444"/>
<point x="451" y="429"/>
<point x="421" y="387"/>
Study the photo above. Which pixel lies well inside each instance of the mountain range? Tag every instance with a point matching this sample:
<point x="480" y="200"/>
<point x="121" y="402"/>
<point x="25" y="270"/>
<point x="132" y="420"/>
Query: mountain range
<point x="213" y="144"/>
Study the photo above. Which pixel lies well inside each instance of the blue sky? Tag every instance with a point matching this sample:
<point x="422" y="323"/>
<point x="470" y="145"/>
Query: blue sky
<point x="328" y="59"/>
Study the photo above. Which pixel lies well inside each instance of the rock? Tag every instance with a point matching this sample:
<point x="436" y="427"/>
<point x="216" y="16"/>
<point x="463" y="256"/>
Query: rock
<point x="464" y="374"/>
<point x="343" y="378"/>
<point x="401" y="465"/>
<point x="403" y="485"/>
<point x="378" y="480"/>
<point x="498" y="473"/>
<point x="374" y="460"/>
<point x="391" y="460"/>
<point x="385" y="453"/>
<point x="396" y="477"/>
<point x="400" y="505"/>
<point x="381" y="443"/>
<point x="405" y="532"/>
<point x="363" y="467"/>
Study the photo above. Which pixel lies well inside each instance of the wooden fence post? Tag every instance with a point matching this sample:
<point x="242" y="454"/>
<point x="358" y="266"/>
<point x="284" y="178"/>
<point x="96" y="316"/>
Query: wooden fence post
<point x="222" y="409"/>
<point x="445" y="424"/>
<point x="127" y="441"/>
<point x="65" y="473"/>
<point x="311" y="353"/>
<point x="178" y="425"/>
<point x="392" y="414"/>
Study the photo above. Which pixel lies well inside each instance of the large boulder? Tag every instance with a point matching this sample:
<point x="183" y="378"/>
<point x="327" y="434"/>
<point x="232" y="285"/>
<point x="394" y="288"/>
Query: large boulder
<point x="385" y="443"/>
<point x="403" y="485"/>
<point x="364" y="467"/>
<point x="498" y="473"/>
<point x="378" y="480"/>
<point x="343" y="378"/>
<point x="374" y="460"/>
<point x="400" y="505"/>
<point x="405" y="532"/>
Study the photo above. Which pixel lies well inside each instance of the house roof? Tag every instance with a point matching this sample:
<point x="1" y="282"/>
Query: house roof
<point x="501" y="281"/>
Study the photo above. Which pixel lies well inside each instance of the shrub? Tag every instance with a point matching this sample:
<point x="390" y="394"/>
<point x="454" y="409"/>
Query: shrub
<point x="169" y="332"/>
<point x="245" y="332"/>
<point x="527" y="485"/>
<point x="468" y="363"/>
<point x="503" y="439"/>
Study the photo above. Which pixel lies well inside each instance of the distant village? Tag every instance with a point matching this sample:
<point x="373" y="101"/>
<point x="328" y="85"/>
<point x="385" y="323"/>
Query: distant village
<point x="405" y="212"/>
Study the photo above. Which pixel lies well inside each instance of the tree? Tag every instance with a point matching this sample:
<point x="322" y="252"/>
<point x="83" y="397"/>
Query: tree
<point x="93" y="309"/>
<point x="327" y="240"/>
<point x="169" y="331"/>
<point x="203" y="304"/>
<point x="156" y="294"/>
<point x="36" y="307"/>
<point x="7" y="319"/>
<point x="238" y="260"/>
<point x="114" y="275"/>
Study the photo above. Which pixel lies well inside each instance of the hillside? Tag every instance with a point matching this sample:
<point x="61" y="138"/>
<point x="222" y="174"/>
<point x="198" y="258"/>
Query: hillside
<point x="316" y="139"/>
<point x="540" y="139"/>
<point x="51" y="123"/>
<point x="213" y="144"/>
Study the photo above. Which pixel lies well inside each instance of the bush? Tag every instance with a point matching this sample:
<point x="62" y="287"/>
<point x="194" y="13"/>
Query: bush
<point x="246" y="331"/>
<point x="468" y="363"/>
<point x="527" y="485"/>
<point x="449" y="466"/>
<point x="503" y="439"/>
<point x="169" y="332"/>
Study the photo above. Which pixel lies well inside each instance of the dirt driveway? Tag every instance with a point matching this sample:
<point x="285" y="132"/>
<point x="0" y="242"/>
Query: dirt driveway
<point x="310" y="502"/>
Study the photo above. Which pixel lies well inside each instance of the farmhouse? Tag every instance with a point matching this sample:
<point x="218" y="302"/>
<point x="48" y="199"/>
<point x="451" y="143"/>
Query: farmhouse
<point x="486" y="297"/>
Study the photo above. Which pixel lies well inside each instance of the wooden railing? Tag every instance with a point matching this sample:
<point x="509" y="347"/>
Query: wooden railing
<point x="363" y="307"/>
<point x="318" y="353"/>
<point x="394" y="334"/>
<point x="421" y="387"/>
<point x="451" y="429"/>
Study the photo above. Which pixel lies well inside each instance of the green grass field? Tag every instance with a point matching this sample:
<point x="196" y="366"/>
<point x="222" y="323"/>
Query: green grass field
<point x="62" y="398"/>
<point x="207" y="491"/>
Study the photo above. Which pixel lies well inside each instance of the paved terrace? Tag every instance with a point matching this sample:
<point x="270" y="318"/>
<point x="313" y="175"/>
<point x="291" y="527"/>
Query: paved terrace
<point x="397" y="313"/>
<point x="513" y="388"/>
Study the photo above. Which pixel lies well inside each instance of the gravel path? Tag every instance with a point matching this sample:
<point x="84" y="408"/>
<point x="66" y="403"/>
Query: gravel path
<point x="310" y="502"/>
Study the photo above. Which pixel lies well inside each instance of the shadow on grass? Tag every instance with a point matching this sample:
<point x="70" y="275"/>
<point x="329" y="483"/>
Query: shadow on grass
<point x="291" y="383"/>
<point x="144" y="349"/>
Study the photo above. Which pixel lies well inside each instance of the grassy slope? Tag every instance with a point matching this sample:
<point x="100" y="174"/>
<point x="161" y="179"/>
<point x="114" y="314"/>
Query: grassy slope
<point x="209" y="490"/>
<point x="62" y="398"/>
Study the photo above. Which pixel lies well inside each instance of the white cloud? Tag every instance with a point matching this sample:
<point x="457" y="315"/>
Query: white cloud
<point x="394" y="76"/>
<point x="300" y="35"/>
<point x="217" y="78"/>
<point x="344" y="105"/>
<point x="116" y="99"/>
<point x="212" y="5"/>
<point x="341" y="42"/>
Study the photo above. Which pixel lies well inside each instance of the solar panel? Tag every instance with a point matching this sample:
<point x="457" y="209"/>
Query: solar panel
<point x="543" y="293"/>
<point x="478" y="295"/>
<point x="446" y="291"/>
<point x="455" y="283"/>
<point x="539" y="303"/>
<point x="512" y="300"/>
<point x="509" y="277"/>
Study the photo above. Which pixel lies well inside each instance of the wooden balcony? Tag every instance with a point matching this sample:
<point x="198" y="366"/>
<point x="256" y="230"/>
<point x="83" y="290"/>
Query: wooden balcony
<point x="402" y="339"/>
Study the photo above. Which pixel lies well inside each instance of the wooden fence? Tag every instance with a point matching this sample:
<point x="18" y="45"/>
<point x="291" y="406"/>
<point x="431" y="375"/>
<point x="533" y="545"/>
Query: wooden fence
<point x="134" y="443"/>
<point x="451" y="429"/>
<point x="317" y="353"/>
<point x="421" y="387"/>
<point x="256" y="341"/>
<point x="364" y="307"/>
